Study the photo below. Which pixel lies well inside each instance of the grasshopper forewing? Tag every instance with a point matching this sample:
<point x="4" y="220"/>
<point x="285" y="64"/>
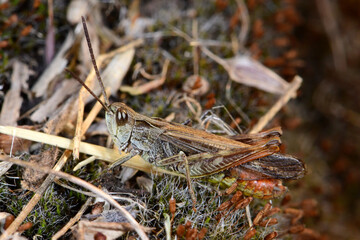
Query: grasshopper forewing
<point x="161" y="142"/>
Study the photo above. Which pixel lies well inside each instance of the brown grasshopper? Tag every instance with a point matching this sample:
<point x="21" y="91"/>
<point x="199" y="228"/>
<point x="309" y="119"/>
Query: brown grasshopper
<point x="194" y="153"/>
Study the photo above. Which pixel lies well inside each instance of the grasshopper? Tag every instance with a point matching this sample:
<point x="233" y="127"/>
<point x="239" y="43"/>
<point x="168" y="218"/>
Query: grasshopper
<point x="194" y="153"/>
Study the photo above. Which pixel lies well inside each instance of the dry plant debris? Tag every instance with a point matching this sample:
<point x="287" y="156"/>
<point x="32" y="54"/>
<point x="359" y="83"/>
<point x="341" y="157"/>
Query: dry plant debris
<point x="150" y="61"/>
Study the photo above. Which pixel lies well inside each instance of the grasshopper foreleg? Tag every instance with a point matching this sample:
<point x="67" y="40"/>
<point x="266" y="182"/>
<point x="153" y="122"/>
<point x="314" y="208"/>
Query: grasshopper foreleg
<point x="121" y="160"/>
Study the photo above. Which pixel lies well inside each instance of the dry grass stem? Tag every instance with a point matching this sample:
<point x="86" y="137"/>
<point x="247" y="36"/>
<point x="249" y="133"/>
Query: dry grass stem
<point x="10" y="110"/>
<point x="245" y="21"/>
<point x="147" y="87"/>
<point x="106" y="154"/>
<point x="283" y="100"/>
<point x="56" y="67"/>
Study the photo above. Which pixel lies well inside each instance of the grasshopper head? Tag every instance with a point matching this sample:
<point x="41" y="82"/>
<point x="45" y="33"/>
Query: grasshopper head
<point x="120" y="121"/>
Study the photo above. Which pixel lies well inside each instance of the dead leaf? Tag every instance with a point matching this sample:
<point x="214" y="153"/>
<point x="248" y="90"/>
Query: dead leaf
<point x="246" y="70"/>
<point x="50" y="43"/>
<point x="56" y="67"/>
<point x="49" y="106"/>
<point x="10" y="145"/>
<point x="26" y="31"/>
<point x="33" y="179"/>
<point x="97" y="208"/>
<point x="117" y="69"/>
<point x="4" y="167"/>
<point x="112" y="76"/>
<point x="145" y="183"/>
<point x="75" y="10"/>
<point x="134" y="25"/>
<point x="127" y="173"/>
<point x="10" y="111"/>
<point x="5" y="220"/>
<point x="64" y="115"/>
<point x="98" y="128"/>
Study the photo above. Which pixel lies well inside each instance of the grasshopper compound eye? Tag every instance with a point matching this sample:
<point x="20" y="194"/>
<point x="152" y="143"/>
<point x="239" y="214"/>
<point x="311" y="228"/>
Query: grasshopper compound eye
<point x="121" y="116"/>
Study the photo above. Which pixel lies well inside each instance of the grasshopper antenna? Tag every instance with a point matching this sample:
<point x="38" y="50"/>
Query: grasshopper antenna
<point x="88" y="89"/>
<point x="94" y="63"/>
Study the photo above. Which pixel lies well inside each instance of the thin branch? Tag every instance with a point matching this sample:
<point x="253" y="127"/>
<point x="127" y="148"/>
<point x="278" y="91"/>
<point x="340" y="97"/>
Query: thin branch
<point x="290" y="93"/>
<point x="214" y="57"/>
<point x="196" y="57"/>
<point x="244" y="23"/>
